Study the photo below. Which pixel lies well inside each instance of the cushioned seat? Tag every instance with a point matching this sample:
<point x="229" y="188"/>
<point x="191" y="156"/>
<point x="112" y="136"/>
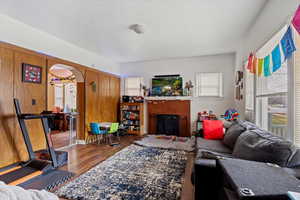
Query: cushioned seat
<point x="213" y="145"/>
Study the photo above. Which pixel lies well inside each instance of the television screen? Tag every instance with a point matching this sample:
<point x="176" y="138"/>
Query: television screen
<point x="167" y="86"/>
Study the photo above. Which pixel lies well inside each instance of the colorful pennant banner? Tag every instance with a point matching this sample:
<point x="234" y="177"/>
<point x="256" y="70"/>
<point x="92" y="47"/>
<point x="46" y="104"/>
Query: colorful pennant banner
<point x="272" y="62"/>
<point x="260" y="66"/>
<point x="296" y="20"/>
<point x="287" y="44"/>
<point x="282" y="51"/>
<point x="250" y="62"/>
<point x="276" y="58"/>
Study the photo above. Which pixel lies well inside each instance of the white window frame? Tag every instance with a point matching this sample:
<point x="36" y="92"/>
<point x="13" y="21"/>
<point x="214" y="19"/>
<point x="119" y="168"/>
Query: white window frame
<point x="198" y="85"/>
<point x="250" y="111"/>
<point x="59" y="96"/>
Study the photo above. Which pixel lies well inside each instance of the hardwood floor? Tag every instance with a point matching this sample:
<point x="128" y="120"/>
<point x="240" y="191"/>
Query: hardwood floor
<point x="84" y="157"/>
<point x="60" y="140"/>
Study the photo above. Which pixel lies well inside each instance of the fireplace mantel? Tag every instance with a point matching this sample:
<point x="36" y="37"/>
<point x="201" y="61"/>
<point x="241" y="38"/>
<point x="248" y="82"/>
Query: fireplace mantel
<point x="170" y="107"/>
<point x="168" y="98"/>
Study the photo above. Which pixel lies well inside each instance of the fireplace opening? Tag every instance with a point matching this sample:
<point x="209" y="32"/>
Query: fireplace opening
<point x="167" y="124"/>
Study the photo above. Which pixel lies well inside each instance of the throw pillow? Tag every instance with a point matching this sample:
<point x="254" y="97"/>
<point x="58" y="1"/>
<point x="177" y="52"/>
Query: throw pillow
<point x="213" y="129"/>
<point x="232" y="134"/>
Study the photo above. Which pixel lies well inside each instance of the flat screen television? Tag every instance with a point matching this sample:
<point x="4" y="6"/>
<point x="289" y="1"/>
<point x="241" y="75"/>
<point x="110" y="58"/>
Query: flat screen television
<point x="167" y="86"/>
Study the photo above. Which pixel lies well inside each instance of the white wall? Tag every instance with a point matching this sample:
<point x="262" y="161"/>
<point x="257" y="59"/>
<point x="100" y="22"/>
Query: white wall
<point x="272" y="18"/>
<point x="20" y="34"/>
<point x="187" y="67"/>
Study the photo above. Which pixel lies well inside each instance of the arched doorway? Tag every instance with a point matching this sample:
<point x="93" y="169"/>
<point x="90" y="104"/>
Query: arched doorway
<point x="62" y="101"/>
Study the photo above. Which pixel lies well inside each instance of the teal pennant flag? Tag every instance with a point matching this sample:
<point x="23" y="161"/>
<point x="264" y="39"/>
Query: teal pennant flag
<point x="267" y="71"/>
<point x="276" y="58"/>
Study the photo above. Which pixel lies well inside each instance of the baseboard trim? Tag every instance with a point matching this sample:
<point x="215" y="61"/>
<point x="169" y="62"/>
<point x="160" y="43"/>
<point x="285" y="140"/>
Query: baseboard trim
<point x="80" y="142"/>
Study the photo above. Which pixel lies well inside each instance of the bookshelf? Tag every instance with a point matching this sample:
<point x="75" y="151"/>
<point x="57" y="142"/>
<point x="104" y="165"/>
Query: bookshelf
<point x="132" y="117"/>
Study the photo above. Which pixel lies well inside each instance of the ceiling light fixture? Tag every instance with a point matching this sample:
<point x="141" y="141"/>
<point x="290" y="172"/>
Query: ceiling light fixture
<point x="137" y="28"/>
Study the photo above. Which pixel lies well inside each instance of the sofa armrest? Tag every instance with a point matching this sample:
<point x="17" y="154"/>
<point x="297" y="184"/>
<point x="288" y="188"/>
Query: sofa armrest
<point x="206" y="154"/>
<point x="205" y="179"/>
<point x="205" y="163"/>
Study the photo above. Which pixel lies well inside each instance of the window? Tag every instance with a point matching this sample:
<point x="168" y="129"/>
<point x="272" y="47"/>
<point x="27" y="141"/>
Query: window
<point x="70" y="95"/>
<point x="133" y="86"/>
<point x="209" y="84"/>
<point x="59" y="95"/>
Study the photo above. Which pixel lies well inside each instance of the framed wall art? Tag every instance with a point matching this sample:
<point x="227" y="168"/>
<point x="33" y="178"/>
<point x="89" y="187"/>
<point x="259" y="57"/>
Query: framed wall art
<point x="31" y="73"/>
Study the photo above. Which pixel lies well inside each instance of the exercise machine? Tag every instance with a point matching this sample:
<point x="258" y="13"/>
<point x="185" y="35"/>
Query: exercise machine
<point x="40" y="162"/>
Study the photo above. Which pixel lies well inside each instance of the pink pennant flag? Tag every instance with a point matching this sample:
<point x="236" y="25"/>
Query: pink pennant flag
<point x="250" y="62"/>
<point x="296" y="20"/>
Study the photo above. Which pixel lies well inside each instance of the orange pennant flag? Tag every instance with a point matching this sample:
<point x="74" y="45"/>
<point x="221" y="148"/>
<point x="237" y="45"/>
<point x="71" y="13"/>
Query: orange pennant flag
<point x="260" y="66"/>
<point x="254" y="65"/>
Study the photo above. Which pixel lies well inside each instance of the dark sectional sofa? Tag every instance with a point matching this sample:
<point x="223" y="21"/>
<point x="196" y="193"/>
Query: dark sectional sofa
<point x="242" y="140"/>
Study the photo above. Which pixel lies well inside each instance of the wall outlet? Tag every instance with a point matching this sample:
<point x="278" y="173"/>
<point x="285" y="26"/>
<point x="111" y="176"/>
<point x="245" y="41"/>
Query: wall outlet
<point x="33" y="102"/>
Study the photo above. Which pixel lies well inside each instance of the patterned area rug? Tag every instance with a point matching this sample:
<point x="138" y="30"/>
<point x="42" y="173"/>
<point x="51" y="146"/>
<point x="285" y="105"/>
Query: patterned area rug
<point x="134" y="173"/>
<point x="162" y="141"/>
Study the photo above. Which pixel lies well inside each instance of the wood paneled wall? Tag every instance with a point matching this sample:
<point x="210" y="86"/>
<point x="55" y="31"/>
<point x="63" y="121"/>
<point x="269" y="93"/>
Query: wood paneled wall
<point x="7" y="124"/>
<point x="27" y="93"/>
<point x="11" y="86"/>
<point x="103" y="91"/>
<point x="99" y="105"/>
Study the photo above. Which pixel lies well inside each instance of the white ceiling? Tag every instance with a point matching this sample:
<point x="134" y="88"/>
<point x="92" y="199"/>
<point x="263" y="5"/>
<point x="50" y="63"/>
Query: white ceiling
<point x="173" y="28"/>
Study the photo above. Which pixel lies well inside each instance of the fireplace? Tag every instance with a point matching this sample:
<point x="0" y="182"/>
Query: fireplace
<point x="171" y="117"/>
<point x="167" y="124"/>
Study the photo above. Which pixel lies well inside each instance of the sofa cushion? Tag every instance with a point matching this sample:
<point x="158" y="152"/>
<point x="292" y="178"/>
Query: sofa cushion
<point x="212" y="145"/>
<point x="247" y="125"/>
<point x="232" y="134"/>
<point x="294" y="161"/>
<point x="260" y="145"/>
<point x="293" y="171"/>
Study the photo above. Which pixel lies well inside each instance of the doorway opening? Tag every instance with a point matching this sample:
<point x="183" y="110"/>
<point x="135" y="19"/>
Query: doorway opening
<point x="63" y="102"/>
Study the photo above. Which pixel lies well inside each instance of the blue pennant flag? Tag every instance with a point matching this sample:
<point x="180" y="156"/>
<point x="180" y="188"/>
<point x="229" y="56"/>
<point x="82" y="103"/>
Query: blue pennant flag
<point x="267" y="71"/>
<point x="287" y="44"/>
<point x="276" y="58"/>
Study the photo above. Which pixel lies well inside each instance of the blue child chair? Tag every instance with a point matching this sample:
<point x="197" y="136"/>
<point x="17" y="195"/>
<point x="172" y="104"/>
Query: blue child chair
<point x="97" y="132"/>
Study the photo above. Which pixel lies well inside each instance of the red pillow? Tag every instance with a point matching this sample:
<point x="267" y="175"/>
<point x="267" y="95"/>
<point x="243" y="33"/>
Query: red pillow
<point x="213" y="129"/>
